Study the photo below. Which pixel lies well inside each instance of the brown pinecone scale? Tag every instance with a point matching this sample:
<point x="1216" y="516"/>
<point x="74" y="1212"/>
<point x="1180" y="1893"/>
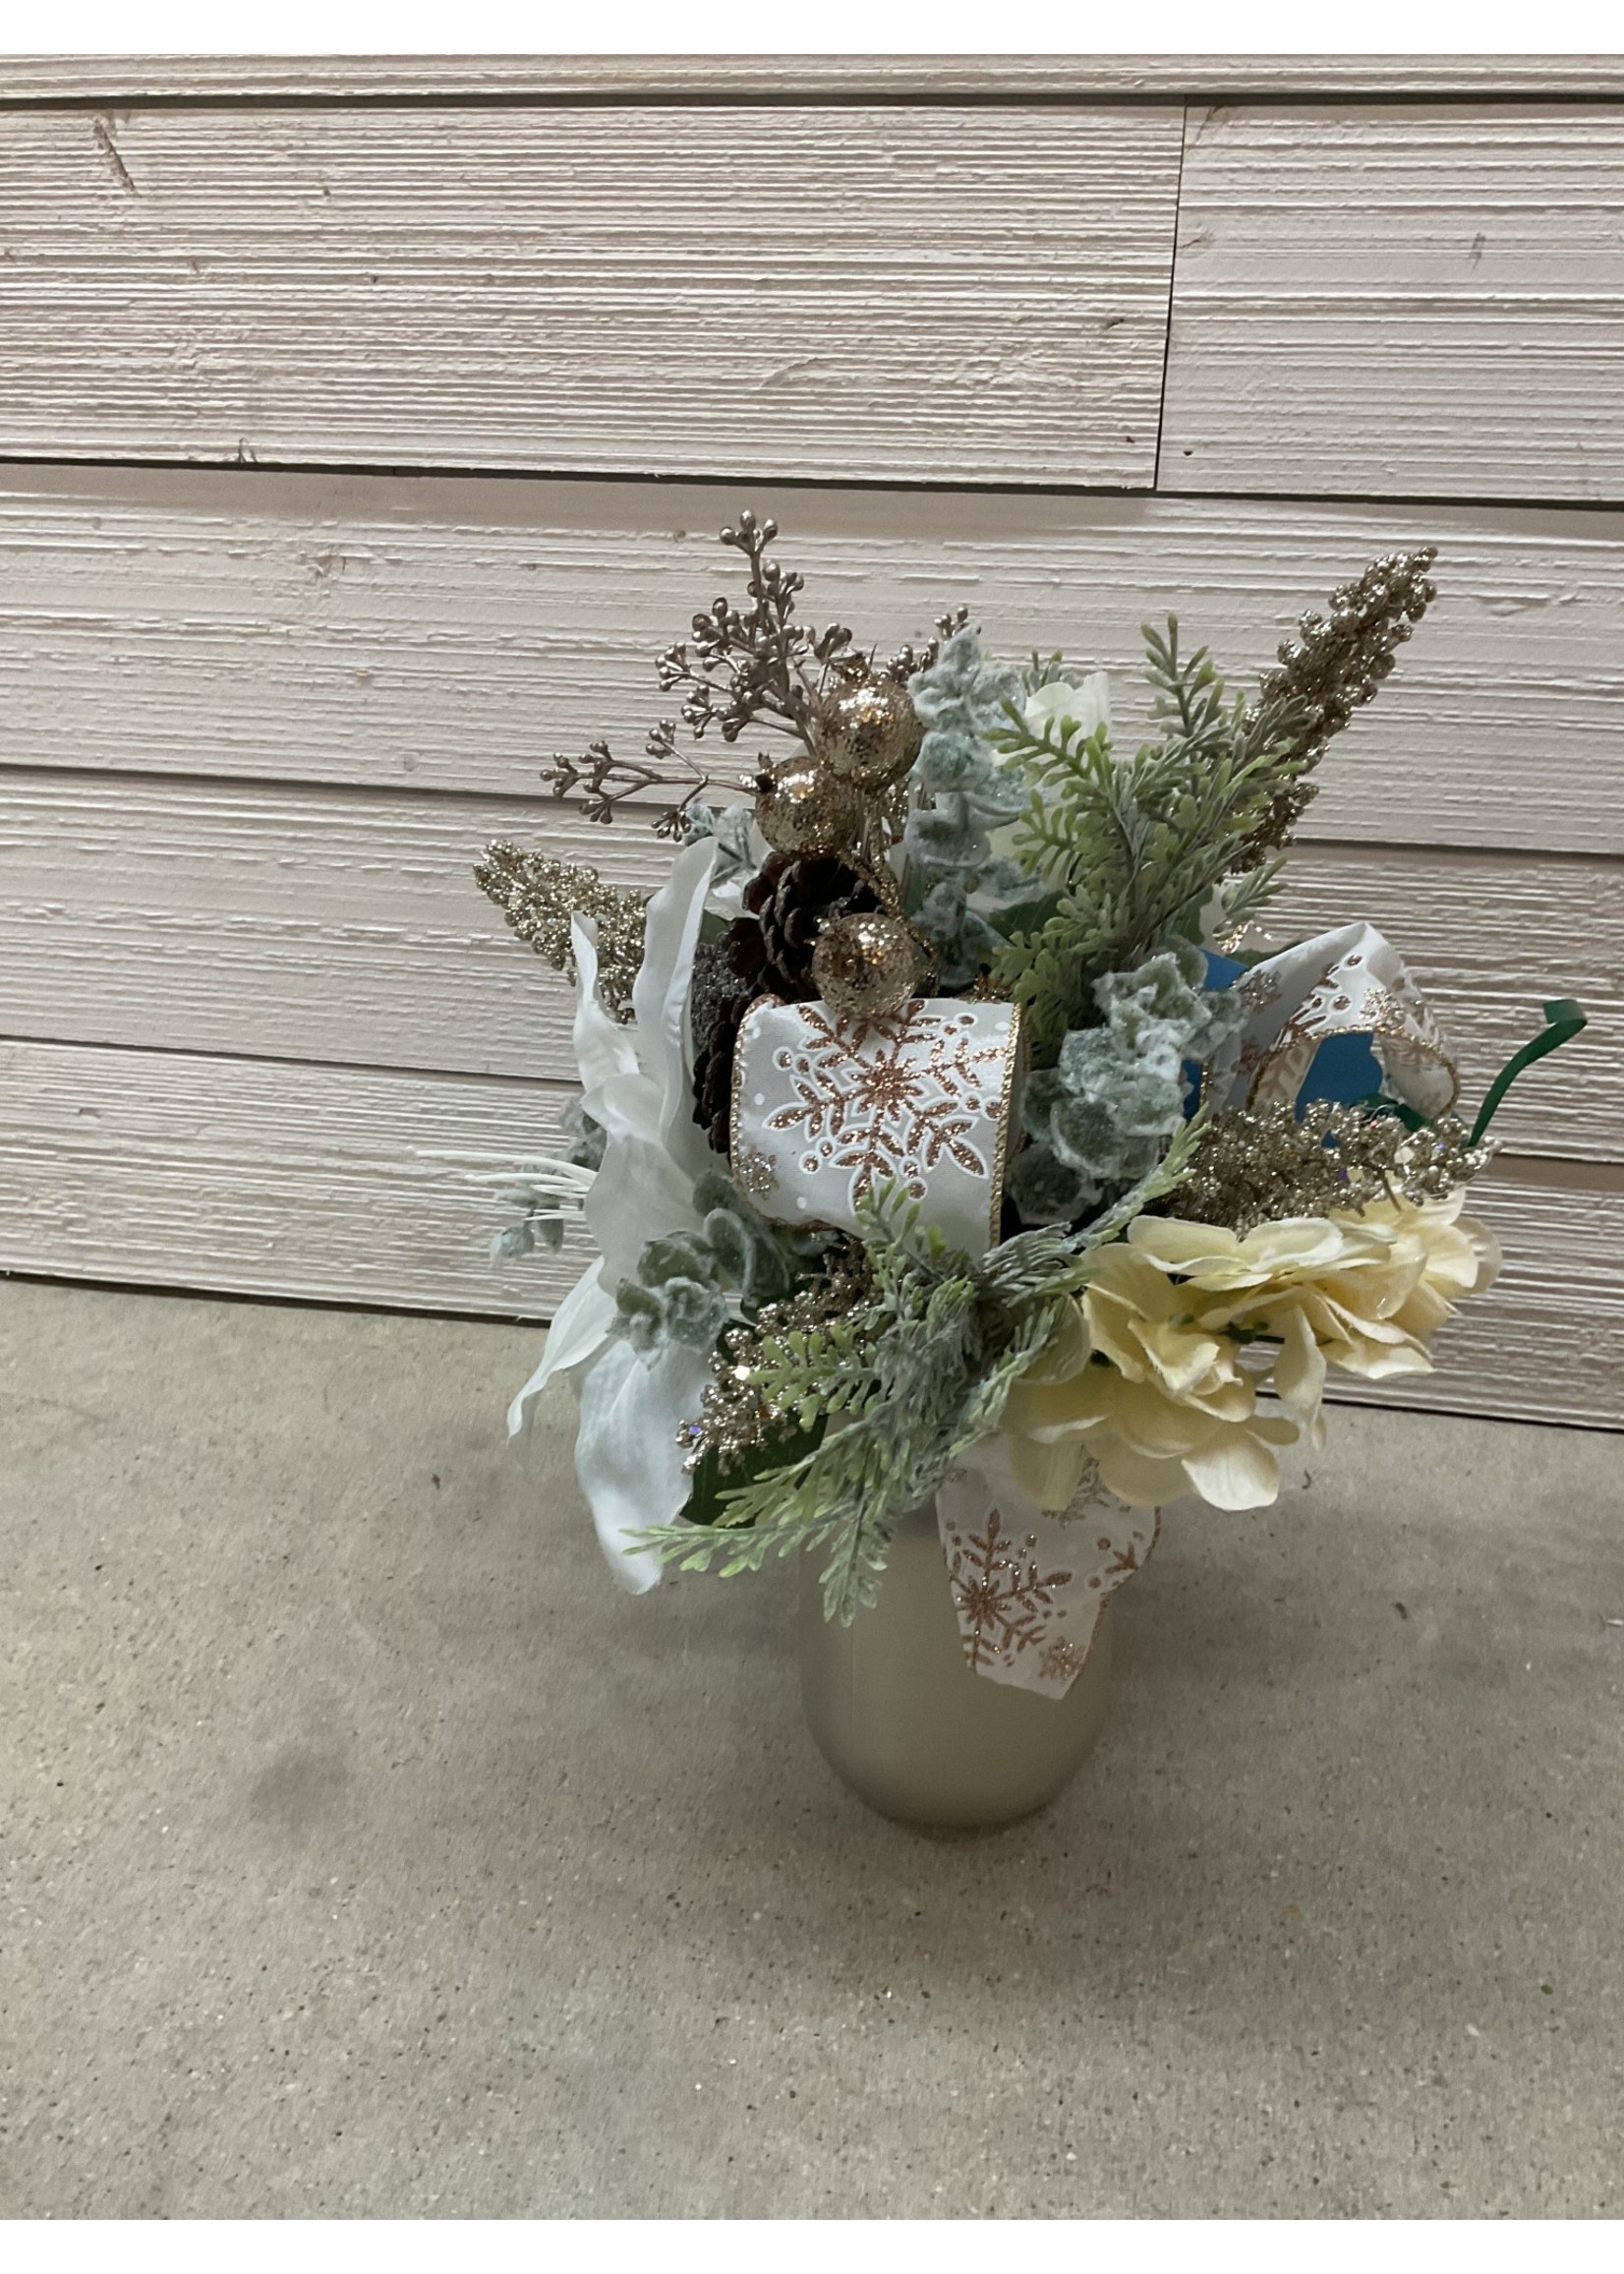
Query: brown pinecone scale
<point x="767" y="952"/>
<point x="788" y="901"/>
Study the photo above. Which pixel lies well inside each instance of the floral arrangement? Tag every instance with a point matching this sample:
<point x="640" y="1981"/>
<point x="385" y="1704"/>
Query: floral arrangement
<point x="949" y="1132"/>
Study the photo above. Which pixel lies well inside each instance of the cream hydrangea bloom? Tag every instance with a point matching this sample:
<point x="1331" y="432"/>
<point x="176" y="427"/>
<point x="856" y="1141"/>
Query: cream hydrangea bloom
<point x="1462" y="1257"/>
<point x="1087" y="703"/>
<point x="1159" y="1402"/>
<point x="1362" y="1292"/>
<point x="1147" y="1377"/>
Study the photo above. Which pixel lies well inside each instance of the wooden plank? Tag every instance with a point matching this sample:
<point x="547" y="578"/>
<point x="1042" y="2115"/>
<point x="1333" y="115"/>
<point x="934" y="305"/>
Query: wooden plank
<point x="300" y="1180"/>
<point x="448" y="634"/>
<point x="973" y="295"/>
<point x="841" y="78"/>
<point x="343" y="926"/>
<point x="1542" y="1344"/>
<point x="1400" y="302"/>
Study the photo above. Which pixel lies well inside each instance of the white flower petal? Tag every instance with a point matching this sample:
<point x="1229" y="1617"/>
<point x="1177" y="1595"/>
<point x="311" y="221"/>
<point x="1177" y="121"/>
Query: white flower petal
<point x="578" y="1330"/>
<point x="660" y="998"/>
<point x="626" y="1453"/>
<point x="1235" y="1470"/>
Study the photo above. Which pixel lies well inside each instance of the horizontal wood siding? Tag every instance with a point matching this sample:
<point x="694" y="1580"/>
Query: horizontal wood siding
<point x="179" y="1170"/>
<point x="449" y="634"/>
<point x="345" y="926"/>
<point x="830" y="78"/>
<point x="751" y="293"/>
<point x="433" y="378"/>
<point x="1400" y="302"/>
<point x="307" y="1181"/>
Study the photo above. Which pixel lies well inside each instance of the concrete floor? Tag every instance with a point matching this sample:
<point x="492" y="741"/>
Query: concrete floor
<point x="366" y="1852"/>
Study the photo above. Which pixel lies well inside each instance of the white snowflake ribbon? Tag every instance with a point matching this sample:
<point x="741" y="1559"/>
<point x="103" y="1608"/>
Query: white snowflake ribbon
<point x="825" y="1108"/>
<point x="1349" y="982"/>
<point x="1028" y="1584"/>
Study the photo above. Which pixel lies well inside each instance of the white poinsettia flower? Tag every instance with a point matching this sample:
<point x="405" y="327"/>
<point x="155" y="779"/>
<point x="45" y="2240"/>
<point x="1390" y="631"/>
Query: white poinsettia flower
<point x="635" y="1086"/>
<point x="1084" y="703"/>
<point x="740" y="850"/>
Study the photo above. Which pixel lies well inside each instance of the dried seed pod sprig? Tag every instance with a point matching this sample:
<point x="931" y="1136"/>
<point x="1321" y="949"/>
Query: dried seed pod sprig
<point x="607" y="780"/>
<point x="749" y="664"/>
<point x="907" y="659"/>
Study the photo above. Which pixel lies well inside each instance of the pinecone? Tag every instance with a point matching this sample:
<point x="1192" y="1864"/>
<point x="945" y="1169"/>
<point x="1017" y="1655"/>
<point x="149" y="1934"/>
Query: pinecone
<point x="714" y="1072"/>
<point x="718" y="1000"/>
<point x="771" y="948"/>
<point x="768" y="952"/>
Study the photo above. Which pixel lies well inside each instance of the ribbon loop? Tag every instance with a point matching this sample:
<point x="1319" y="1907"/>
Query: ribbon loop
<point x="1336" y="1017"/>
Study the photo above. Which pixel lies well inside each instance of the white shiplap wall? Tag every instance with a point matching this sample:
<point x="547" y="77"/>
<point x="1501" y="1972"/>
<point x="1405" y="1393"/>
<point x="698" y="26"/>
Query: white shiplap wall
<point x="1060" y="340"/>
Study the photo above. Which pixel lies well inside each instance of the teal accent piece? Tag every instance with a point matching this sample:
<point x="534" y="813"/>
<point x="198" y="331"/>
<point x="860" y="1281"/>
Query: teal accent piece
<point x="1222" y="970"/>
<point x="1345" y="1069"/>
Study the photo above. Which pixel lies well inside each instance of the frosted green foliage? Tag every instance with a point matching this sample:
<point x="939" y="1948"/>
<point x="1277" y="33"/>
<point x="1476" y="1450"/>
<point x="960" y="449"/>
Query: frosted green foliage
<point x="964" y="792"/>
<point x="685" y="1279"/>
<point x="537" y="1224"/>
<point x="1133" y="847"/>
<point x="542" y="1208"/>
<point x="588" y="1136"/>
<point x="966" y="941"/>
<point x="1102" y="1115"/>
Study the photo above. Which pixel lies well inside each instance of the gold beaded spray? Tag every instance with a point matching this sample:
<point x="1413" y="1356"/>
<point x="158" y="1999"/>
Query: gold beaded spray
<point x="734" y="1412"/>
<point x="1252" y="1168"/>
<point x="539" y="895"/>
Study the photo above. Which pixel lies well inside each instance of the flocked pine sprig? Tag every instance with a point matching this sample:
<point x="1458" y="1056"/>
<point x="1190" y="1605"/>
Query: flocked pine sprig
<point x="735" y="1416"/>
<point x="1134" y="847"/>
<point x="891" y="1377"/>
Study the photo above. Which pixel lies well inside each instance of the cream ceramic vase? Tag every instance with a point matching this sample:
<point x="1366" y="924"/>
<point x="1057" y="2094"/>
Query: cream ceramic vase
<point x="915" y="1732"/>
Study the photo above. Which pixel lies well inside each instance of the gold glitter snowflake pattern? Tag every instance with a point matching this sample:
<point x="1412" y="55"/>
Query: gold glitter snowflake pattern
<point x="1028" y="1596"/>
<point x="1006" y="1601"/>
<point x="867" y="1098"/>
<point x="1123" y="1562"/>
<point x="754" y="1174"/>
<point x="1060" y="1661"/>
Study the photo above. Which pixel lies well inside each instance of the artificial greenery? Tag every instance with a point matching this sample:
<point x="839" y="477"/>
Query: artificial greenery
<point x="542" y="1208"/>
<point x="956" y="883"/>
<point x="685" y="1279"/>
<point x="904" y="1383"/>
<point x="1136" y="846"/>
<point x="1102" y="1115"/>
